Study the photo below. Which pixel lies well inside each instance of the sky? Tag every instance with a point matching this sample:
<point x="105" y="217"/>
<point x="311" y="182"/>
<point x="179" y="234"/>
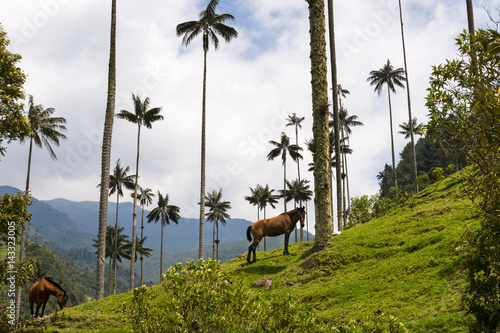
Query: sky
<point x="253" y="84"/>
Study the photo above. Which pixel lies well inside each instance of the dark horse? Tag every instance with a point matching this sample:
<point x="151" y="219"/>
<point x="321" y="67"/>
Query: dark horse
<point x="40" y="292"/>
<point x="275" y="226"/>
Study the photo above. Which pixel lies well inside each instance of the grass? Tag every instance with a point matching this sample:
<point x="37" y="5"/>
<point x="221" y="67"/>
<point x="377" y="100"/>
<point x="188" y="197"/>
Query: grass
<point x="406" y="264"/>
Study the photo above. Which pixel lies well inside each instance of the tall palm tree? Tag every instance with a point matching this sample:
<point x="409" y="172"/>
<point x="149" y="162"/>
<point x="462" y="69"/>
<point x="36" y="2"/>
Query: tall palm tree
<point x="336" y="121"/>
<point x="217" y="213"/>
<point x="256" y="198"/>
<point x="284" y="148"/>
<point x="298" y="191"/>
<point x="470" y="16"/>
<point x="410" y="123"/>
<point x="210" y="24"/>
<point x="117" y="246"/>
<point x="45" y="130"/>
<point x="319" y="83"/>
<point x="145" y="197"/>
<point x="142" y="116"/>
<point x="165" y="213"/>
<point x="296" y="121"/>
<point x="141" y="250"/>
<point x="268" y="198"/>
<point x="106" y="156"/>
<point x="391" y="77"/>
<point x="346" y="122"/>
<point x="406" y="130"/>
<point x="117" y="180"/>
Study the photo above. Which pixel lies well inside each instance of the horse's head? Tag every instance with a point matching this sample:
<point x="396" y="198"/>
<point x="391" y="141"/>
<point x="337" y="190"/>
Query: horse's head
<point x="62" y="299"/>
<point x="302" y="215"/>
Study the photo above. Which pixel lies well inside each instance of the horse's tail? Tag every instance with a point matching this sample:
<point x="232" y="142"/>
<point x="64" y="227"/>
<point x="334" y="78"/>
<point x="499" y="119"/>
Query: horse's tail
<point x="249" y="233"/>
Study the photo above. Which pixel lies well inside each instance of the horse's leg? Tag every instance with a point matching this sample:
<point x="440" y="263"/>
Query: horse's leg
<point x="287" y="238"/>
<point x="43" y="308"/>
<point x="249" y="253"/>
<point x="37" y="309"/>
<point x="254" y="255"/>
<point x="31" y="307"/>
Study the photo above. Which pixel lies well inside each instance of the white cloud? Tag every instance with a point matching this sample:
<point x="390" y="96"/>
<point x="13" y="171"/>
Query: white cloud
<point x="254" y="83"/>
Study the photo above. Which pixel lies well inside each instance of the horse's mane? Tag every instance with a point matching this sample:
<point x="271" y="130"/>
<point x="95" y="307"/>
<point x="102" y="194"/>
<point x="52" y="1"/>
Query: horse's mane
<point x="55" y="284"/>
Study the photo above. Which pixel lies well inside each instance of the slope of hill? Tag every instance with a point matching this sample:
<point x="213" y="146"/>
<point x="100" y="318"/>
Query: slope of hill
<point x="406" y="264"/>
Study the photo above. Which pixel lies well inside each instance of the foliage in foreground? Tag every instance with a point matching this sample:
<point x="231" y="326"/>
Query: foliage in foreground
<point x="202" y="297"/>
<point x="464" y="104"/>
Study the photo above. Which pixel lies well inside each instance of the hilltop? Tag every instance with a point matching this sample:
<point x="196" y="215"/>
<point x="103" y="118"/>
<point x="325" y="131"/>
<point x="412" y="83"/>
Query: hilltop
<point x="406" y="264"/>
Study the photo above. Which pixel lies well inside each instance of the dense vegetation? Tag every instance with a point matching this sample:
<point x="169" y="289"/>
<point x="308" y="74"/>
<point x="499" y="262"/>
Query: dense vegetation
<point x="403" y="270"/>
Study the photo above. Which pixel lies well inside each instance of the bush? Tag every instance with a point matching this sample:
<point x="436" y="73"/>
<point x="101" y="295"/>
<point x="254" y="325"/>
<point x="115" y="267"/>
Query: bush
<point x="362" y="209"/>
<point x="202" y="297"/>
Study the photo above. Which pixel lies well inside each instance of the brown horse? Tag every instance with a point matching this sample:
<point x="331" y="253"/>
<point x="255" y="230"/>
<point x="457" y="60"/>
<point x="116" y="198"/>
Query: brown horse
<point x="275" y="226"/>
<point x="40" y="292"/>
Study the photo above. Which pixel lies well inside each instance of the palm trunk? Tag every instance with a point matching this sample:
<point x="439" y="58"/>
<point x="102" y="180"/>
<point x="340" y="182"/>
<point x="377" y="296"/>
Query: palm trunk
<point x="336" y="122"/>
<point x="202" y="190"/>
<point x="415" y="172"/>
<point x="105" y="157"/>
<point x="470" y="16"/>
<point x="142" y="236"/>
<point x="284" y="182"/>
<point x="217" y="239"/>
<point x="265" y="242"/>
<point x="161" y="248"/>
<point x="134" y="213"/>
<point x="322" y="170"/>
<point x="23" y="230"/>
<point x="113" y="290"/>
<point x="392" y="139"/>
<point x="213" y="240"/>
<point x="298" y="174"/>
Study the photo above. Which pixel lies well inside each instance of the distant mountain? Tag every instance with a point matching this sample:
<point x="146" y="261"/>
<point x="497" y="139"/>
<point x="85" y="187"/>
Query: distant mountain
<point x="73" y="224"/>
<point x="50" y="224"/>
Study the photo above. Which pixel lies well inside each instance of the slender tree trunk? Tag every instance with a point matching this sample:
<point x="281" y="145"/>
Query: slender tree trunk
<point x="265" y="241"/>
<point x="203" y="133"/>
<point x="415" y="171"/>
<point x="322" y="167"/>
<point x="470" y="16"/>
<point x="213" y="240"/>
<point x="22" y="244"/>
<point x="161" y="249"/>
<point x="105" y="158"/>
<point x="284" y="183"/>
<point x="109" y="275"/>
<point x="298" y="174"/>
<point x="113" y="290"/>
<point x="336" y="122"/>
<point x="142" y="236"/>
<point x="392" y="139"/>
<point x="217" y="243"/>
<point x="134" y="213"/>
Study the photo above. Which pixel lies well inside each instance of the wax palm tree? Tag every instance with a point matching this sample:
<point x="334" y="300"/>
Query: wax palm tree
<point x="141" y="249"/>
<point x="296" y="121"/>
<point x="210" y="25"/>
<point x="410" y="122"/>
<point x="319" y="85"/>
<point x="346" y="122"/>
<point x="117" y="180"/>
<point x="256" y="198"/>
<point x="268" y="198"/>
<point x="298" y="191"/>
<point x="142" y="116"/>
<point x="117" y="246"/>
<point x="406" y="130"/>
<point x="45" y="131"/>
<point x="217" y="213"/>
<point x="391" y="77"/>
<point x="106" y="156"/>
<point x="284" y="148"/>
<point x="164" y="213"/>
<point x="320" y="242"/>
<point x="145" y="197"/>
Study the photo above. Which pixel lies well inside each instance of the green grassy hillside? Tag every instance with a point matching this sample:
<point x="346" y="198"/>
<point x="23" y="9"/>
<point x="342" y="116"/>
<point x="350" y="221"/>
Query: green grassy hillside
<point x="405" y="264"/>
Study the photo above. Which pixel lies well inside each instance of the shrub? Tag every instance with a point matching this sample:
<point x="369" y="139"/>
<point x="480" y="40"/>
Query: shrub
<point x="202" y="297"/>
